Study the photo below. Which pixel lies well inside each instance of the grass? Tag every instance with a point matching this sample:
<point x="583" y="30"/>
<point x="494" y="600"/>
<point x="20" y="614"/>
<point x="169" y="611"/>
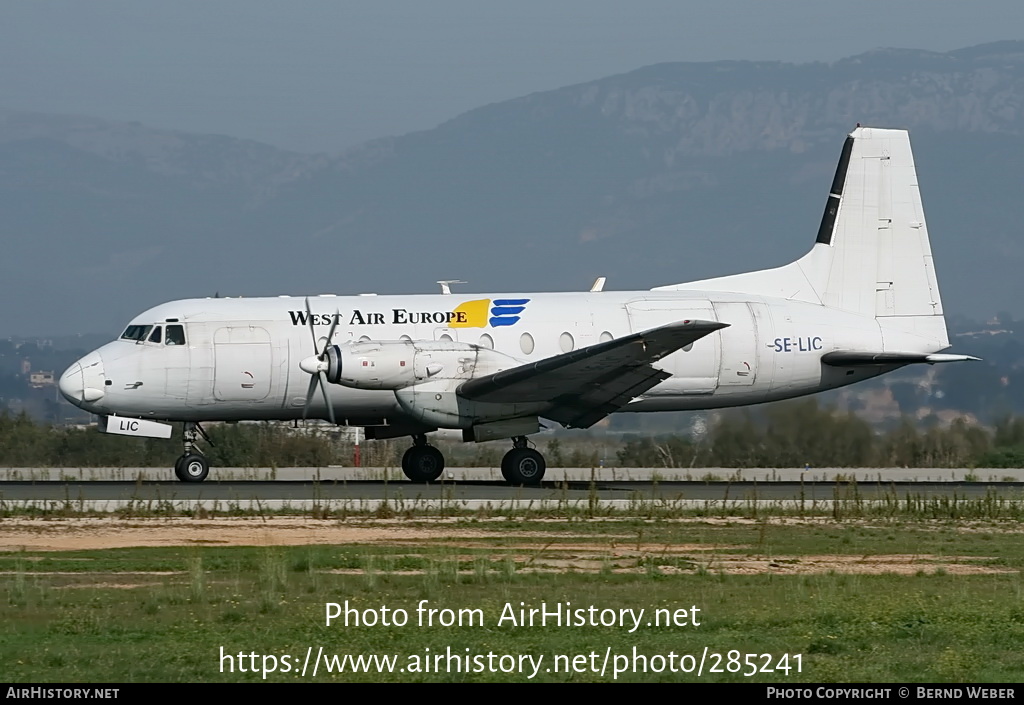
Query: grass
<point x="163" y="614"/>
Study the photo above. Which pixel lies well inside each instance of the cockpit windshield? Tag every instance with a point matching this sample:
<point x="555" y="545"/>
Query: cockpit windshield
<point x="136" y="333"/>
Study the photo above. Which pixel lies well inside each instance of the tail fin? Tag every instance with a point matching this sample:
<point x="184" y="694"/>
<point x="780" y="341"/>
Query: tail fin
<point x="872" y="255"/>
<point x="881" y="259"/>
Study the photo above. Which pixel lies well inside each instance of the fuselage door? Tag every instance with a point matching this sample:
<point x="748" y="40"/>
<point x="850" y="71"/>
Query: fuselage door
<point x="242" y="363"/>
<point x="739" y="344"/>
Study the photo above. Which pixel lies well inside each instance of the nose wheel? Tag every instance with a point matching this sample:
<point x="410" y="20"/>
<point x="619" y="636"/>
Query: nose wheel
<point x="192" y="466"/>
<point x="422" y="463"/>
<point x="522" y="465"/>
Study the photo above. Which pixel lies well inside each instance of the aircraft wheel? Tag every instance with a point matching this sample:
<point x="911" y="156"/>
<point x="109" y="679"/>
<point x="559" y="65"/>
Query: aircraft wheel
<point x="523" y="466"/>
<point x="423" y="463"/>
<point x="192" y="468"/>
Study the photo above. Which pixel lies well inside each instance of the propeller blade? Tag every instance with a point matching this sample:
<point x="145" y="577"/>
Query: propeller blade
<point x="313" y="380"/>
<point x="330" y="333"/>
<point x="327" y="400"/>
<point x="309" y="319"/>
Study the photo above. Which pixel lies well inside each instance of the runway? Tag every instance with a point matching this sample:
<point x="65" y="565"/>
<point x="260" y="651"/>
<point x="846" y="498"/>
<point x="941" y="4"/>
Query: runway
<point x="604" y="475"/>
<point x="111" y="489"/>
<point x="303" y="490"/>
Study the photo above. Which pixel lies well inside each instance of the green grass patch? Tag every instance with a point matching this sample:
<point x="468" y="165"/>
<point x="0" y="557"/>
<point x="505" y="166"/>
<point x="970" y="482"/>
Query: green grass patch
<point x="163" y="614"/>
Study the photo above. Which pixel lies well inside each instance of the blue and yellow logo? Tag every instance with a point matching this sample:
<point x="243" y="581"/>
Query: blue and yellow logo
<point x="484" y="312"/>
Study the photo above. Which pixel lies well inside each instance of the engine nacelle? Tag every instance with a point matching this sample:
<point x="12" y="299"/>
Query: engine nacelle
<point x="372" y="365"/>
<point x="397" y="364"/>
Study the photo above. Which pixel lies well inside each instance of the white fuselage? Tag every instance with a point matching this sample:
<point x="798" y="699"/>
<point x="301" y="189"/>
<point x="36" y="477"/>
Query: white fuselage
<point x="241" y="356"/>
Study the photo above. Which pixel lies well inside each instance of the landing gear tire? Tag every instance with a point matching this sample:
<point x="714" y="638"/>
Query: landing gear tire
<point x="423" y="463"/>
<point x="192" y="468"/>
<point x="523" y="466"/>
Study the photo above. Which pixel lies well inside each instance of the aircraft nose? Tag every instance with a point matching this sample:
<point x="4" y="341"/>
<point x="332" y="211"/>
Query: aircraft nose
<point x="84" y="381"/>
<point x="70" y="383"/>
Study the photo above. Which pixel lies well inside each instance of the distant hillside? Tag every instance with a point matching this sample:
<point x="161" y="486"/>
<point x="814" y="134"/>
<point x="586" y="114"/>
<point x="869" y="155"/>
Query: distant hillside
<point x="668" y="173"/>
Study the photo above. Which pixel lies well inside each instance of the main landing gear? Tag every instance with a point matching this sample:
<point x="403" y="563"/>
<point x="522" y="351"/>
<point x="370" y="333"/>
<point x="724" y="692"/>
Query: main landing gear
<point x="192" y="466"/>
<point x="522" y="465"/>
<point x="519" y="466"/>
<point x="422" y="463"/>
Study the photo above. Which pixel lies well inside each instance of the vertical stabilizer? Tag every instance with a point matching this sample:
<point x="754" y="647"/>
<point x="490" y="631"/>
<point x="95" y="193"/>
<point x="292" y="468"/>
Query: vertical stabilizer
<point x="880" y="260"/>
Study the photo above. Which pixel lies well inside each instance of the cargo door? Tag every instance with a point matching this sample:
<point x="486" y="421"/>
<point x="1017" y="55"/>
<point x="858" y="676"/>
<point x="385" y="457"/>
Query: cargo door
<point x="739" y="345"/>
<point x="242" y="363"/>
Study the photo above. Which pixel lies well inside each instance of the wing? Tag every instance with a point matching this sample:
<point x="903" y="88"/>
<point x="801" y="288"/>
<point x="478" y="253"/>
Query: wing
<point x="586" y="385"/>
<point x="843" y="358"/>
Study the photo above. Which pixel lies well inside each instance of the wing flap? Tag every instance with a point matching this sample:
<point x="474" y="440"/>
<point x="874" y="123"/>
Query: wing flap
<point x="586" y="385"/>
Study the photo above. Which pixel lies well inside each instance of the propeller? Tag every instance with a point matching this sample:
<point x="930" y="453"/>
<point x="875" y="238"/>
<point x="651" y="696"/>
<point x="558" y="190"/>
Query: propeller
<point x="317" y="366"/>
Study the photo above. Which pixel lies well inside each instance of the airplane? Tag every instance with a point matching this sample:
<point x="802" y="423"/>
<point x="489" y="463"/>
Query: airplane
<point x="862" y="302"/>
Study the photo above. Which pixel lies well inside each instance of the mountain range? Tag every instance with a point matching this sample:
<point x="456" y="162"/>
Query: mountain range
<point x="669" y="173"/>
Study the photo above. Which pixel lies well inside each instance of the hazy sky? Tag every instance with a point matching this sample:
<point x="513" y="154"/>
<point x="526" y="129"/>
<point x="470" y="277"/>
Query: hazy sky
<point x="324" y="75"/>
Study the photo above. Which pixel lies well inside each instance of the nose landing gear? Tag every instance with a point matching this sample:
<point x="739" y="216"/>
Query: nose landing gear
<point x="192" y="466"/>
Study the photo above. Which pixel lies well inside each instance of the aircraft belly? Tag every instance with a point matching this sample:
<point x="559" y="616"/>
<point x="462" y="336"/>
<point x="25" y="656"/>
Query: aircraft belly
<point x="683" y="386"/>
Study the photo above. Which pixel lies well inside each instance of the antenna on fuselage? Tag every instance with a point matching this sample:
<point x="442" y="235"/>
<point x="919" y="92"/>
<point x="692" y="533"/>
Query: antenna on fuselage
<point x="446" y="285"/>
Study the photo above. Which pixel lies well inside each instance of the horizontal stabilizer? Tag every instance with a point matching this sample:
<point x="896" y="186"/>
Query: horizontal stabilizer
<point x="586" y="385"/>
<point x="841" y="358"/>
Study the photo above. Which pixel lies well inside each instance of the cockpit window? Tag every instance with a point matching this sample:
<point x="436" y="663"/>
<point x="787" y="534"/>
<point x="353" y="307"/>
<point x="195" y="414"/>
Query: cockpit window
<point x="175" y="335"/>
<point x="136" y="333"/>
<point x="156" y="335"/>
